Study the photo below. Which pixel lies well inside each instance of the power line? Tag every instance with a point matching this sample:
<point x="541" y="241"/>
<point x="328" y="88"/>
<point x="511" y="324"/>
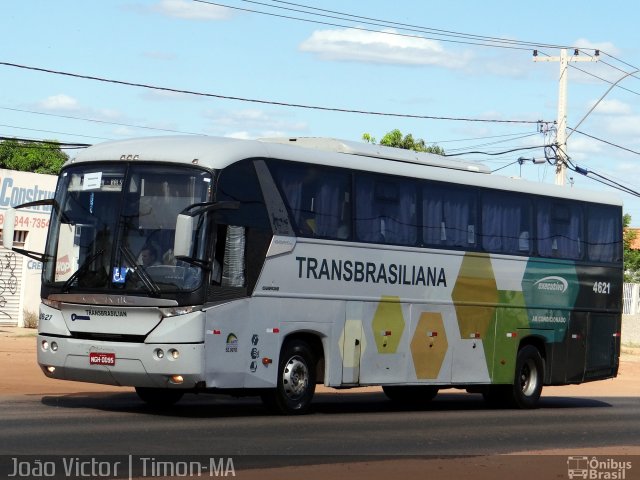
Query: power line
<point x="505" y="166"/>
<point x="435" y="31"/>
<point x="94" y="120"/>
<point x="495" y="153"/>
<point x="45" y="143"/>
<point x="477" y="138"/>
<point x="388" y="23"/>
<point x="634" y="75"/>
<point x="494" y="143"/>
<point x="595" y="76"/>
<point x="605" y="141"/>
<point x="620" y="60"/>
<point x="51" y="131"/>
<point x="260" y="101"/>
<point x="497" y="44"/>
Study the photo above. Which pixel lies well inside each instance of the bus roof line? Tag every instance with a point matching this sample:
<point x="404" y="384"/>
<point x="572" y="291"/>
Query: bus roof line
<point x="379" y="151"/>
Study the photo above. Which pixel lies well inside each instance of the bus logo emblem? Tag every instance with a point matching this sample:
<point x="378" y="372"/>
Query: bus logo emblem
<point x="232" y="343"/>
<point x="552" y="284"/>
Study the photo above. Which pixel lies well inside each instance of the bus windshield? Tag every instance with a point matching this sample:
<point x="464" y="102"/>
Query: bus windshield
<point x="113" y="228"/>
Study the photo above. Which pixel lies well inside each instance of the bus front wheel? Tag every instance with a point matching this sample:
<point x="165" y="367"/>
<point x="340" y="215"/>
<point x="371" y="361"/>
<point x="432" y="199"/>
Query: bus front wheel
<point x="296" y="380"/>
<point x="159" y="397"/>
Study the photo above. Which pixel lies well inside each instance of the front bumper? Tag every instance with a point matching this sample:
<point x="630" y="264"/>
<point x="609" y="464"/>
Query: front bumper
<point x="135" y="364"/>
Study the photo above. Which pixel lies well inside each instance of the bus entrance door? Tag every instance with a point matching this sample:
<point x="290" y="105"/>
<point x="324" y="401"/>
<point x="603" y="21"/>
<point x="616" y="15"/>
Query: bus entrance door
<point x="351" y="342"/>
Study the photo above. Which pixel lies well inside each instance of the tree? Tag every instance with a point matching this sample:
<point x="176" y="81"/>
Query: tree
<point x="631" y="257"/>
<point x="394" y="138"/>
<point x="36" y="157"/>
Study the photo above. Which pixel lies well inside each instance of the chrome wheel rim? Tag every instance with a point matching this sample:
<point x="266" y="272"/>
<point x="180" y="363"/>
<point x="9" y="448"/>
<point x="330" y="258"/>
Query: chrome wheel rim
<point x="295" y="378"/>
<point x="529" y="378"/>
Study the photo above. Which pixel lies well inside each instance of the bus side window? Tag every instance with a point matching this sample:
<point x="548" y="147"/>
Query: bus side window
<point x="604" y="234"/>
<point x="318" y="199"/>
<point x="560" y="227"/>
<point x="449" y="216"/>
<point x="386" y="210"/>
<point x="506" y="223"/>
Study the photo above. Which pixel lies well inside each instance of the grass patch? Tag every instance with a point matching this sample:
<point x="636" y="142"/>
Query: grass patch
<point x="30" y="319"/>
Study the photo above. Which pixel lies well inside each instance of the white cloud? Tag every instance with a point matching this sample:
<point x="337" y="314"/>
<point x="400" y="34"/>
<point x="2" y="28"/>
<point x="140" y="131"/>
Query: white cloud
<point x="627" y="126"/>
<point x="252" y="123"/>
<point x="381" y="47"/>
<point x="125" y="132"/>
<point x="190" y="10"/>
<point x="240" y="135"/>
<point x="60" y="102"/>
<point x="611" y="107"/>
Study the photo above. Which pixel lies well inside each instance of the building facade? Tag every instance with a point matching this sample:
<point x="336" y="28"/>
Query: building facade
<point x="20" y="275"/>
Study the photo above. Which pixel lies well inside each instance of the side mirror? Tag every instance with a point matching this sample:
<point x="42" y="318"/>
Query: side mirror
<point x="182" y="240"/>
<point x="186" y="224"/>
<point x="8" y="228"/>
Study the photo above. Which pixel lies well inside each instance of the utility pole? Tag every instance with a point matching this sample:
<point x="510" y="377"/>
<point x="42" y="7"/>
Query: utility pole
<point x="561" y="135"/>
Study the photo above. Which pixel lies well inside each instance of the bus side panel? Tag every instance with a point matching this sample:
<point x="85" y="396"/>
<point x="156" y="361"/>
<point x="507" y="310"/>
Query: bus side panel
<point x="603" y="346"/>
<point x="384" y="360"/>
<point x="434" y="334"/>
<point x="227" y="348"/>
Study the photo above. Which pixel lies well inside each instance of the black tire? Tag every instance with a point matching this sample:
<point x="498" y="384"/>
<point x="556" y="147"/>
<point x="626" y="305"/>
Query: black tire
<point x="410" y="394"/>
<point x="159" y="397"/>
<point x="296" y="380"/>
<point x="527" y="384"/>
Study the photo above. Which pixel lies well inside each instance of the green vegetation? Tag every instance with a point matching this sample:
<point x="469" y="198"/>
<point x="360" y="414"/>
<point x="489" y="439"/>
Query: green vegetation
<point x="36" y="157"/>
<point x="394" y="138"/>
<point x="631" y="257"/>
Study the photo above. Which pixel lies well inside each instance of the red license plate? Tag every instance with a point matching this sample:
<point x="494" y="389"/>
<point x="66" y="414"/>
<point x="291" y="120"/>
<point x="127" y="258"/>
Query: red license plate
<point x="100" y="358"/>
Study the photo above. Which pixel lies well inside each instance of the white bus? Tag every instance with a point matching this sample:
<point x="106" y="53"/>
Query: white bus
<point x="199" y="264"/>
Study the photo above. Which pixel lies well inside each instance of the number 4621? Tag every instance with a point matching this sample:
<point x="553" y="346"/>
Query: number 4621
<point x="602" y="287"/>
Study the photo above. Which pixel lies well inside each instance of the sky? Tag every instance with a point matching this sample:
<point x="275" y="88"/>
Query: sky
<point x="439" y="67"/>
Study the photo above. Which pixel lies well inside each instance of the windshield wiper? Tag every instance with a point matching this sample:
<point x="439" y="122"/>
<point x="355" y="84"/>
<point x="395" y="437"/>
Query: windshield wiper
<point x="145" y="278"/>
<point x="82" y="270"/>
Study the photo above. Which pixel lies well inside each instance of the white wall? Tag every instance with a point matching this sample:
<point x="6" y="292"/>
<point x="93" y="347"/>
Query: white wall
<point x="16" y="188"/>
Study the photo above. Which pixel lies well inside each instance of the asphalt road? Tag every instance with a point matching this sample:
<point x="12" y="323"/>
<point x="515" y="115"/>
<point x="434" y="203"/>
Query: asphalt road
<point x="339" y="425"/>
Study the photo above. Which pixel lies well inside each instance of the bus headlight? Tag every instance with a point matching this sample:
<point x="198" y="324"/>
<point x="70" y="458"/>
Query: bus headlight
<point x="45" y="345"/>
<point x="159" y="353"/>
<point x="174" y="354"/>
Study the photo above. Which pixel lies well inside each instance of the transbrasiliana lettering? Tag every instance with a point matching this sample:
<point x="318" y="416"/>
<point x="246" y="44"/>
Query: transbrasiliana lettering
<point x="370" y="272"/>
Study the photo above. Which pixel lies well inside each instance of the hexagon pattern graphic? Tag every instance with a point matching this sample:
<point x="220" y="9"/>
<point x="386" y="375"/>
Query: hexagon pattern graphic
<point x="475" y="295"/>
<point x="388" y="324"/>
<point x="429" y="345"/>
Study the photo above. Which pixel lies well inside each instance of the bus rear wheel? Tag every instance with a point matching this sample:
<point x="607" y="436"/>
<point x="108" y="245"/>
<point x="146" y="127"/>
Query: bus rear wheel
<point x="527" y="385"/>
<point x="410" y="394"/>
<point x="296" y="380"/>
<point x="159" y="397"/>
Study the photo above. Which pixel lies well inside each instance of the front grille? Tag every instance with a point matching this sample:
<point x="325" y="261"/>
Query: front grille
<point x="109" y="337"/>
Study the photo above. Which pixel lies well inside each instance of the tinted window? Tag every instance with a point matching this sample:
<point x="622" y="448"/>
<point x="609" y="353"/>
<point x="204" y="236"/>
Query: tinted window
<point x="239" y="182"/>
<point x="318" y="199"/>
<point x="560" y="229"/>
<point x="604" y="233"/>
<point x="385" y="210"/>
<point x="449" y="216"/>
<point x="506" y="224"/>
